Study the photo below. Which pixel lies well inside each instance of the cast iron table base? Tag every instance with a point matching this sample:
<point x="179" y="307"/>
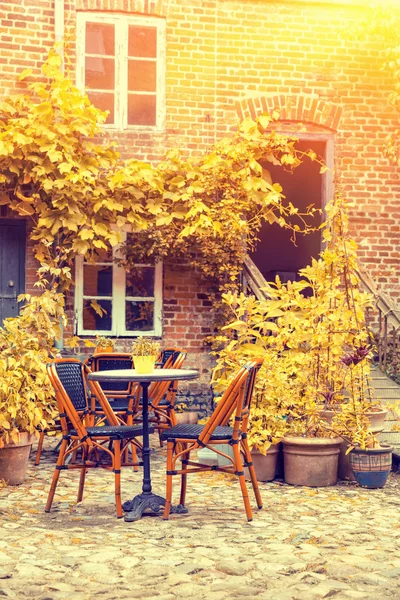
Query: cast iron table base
<point x="147" y="500"/>
<point x="139" y="504"/>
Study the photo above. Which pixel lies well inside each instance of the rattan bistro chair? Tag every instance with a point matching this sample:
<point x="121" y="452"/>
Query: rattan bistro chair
<point x="97" y="442"/>
<point x="183" y="439"/>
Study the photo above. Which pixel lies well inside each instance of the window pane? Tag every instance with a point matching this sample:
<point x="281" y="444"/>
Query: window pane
<point x="142" y="76"/>
<point x="92" y="321"/>
<point x="141" y="110"/>
<point x="103" y="101"/>
<point x="142" y="41"/>
<point x="99" y="73"/>
<point x="97" y="280"/>
<point x="140" y="282"/>
<point x="139" y="316"/>
<point x="100" y="38"/>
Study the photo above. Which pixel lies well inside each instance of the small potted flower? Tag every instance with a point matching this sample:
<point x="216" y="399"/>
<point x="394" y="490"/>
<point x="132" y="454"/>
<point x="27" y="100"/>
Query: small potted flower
<point x="144" y="353"/>
<point x="104" y="344"/>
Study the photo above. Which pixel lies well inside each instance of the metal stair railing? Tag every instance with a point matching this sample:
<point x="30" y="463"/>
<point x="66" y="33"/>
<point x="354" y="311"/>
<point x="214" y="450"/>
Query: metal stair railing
<point x="388" y="321"/>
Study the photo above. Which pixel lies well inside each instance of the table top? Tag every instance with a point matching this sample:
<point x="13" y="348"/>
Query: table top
<point x="156" y="375"/>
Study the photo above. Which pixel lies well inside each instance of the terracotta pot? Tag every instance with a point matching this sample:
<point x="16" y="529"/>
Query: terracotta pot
<point x="377" y="420"/>
<point x="190" y="417"/>
<point x="264" y="465"/>
<point x="107" y="350"/>
<point x="14" y="459"/>
<point x="311" y="461"/>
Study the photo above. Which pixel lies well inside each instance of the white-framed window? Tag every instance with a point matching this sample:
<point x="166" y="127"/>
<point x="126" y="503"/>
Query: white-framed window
<point x="131" y="301"/>
<point x="121" y="64"/>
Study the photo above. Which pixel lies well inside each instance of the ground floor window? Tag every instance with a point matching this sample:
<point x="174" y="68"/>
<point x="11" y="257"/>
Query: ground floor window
<point x="113" y="302"/>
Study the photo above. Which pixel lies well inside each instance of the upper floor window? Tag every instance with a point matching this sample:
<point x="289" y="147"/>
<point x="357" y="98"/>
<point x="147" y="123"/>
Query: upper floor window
<point x="130" y="302"/>
<point x="121" y="64"/>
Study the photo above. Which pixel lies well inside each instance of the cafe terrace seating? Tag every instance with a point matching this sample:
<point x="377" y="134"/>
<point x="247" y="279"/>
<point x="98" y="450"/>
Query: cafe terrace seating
<point x="96" y="443"/>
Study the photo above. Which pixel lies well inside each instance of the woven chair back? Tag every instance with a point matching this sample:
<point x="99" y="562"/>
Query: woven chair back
<point x="111" y="361"/>
<point x="166" y="355"/>
<point x="69" y="379"/>
<point x="66" y="376"/>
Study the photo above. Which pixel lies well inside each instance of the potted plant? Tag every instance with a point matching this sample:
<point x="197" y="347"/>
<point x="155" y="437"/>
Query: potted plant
<point x="358" y="419"/>
<point x="145" y="352"/>
<point x="104" y="344"/>
<point x="302" y="331"/>
<point x="27" y="402"/>
<point x="247" y="336"/>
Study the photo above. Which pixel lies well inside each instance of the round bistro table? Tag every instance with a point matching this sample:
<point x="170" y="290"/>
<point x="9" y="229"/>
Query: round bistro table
<point x="147" y="499"/>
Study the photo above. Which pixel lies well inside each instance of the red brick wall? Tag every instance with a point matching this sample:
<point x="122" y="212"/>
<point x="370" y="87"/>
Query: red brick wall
<point x="227" y="59"/>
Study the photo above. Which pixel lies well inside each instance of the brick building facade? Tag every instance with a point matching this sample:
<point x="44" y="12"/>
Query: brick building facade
<point x="196" y="68"/>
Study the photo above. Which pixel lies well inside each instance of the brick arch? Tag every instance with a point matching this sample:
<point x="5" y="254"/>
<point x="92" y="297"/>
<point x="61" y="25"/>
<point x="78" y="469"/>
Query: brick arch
<point x="147" y="7"/>
<point x="300" y="108"/>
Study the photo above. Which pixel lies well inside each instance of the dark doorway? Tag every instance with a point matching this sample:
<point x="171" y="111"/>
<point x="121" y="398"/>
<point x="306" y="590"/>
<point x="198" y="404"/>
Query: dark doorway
<point x="275" y="253"/>
<point x="12" y="266"/>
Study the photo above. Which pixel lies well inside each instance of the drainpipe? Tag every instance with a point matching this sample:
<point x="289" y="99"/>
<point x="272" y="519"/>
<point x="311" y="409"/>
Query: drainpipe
<point x="59" y="24"/>
<point x="59" y="17"/>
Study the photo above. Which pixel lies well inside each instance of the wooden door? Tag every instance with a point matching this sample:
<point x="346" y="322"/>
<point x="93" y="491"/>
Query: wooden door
<point x="12" y="266"/>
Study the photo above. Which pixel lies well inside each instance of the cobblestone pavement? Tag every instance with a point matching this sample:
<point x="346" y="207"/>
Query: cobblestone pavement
<point x="341" y="542"/>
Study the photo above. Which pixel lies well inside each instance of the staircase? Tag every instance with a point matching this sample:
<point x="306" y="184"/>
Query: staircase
<point x="253" y="281"/>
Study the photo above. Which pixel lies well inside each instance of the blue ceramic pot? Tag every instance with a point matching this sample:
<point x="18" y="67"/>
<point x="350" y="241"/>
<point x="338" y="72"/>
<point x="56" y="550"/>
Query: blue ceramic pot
<point x="371" y="467"/>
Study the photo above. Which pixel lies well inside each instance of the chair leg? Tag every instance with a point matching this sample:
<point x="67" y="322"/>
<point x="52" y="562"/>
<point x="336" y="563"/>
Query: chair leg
<point x="252" y="472"/>
<point x="242" y="481"/>
<point x="56" y="475"/>
<point x="159" y="438"/>
<point x="168" y="494"/>
<point x="117" y="475"/>
<point x="185" y="458"/>
<point x="83" y="476"/>
<point x="39" y="448"/>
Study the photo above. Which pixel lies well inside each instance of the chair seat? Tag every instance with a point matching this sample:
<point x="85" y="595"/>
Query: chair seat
<point x="192" y="432"/>
<point x="115" y="432"/>
<point x="119" y="404"/>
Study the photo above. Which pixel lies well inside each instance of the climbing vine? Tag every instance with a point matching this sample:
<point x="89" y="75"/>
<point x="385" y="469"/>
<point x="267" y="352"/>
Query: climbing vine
<point x="80" y="195"/>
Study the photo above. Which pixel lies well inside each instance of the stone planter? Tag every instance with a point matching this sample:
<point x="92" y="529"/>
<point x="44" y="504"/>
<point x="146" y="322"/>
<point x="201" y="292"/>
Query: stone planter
<point x="226" y="449"/>
<point x="189" y="417"/>
<point x="264" y="465"/>
<point x="311" y="461"/>
<point x="377" y="420"/>
<point x="14" y="459"/>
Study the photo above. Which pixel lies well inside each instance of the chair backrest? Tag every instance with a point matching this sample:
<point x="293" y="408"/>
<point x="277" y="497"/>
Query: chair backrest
<point x="158" y="389"/>
<point x="111" y="361"/>
<point x="166" y="355"/>
<point x="69" y="379"/>
<point x="236" y="399"/>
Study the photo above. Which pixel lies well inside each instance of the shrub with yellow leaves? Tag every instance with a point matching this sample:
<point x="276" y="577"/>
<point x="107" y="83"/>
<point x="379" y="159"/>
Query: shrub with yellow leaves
<point x="27" y="401"/>
<point x="303" y="332"/>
